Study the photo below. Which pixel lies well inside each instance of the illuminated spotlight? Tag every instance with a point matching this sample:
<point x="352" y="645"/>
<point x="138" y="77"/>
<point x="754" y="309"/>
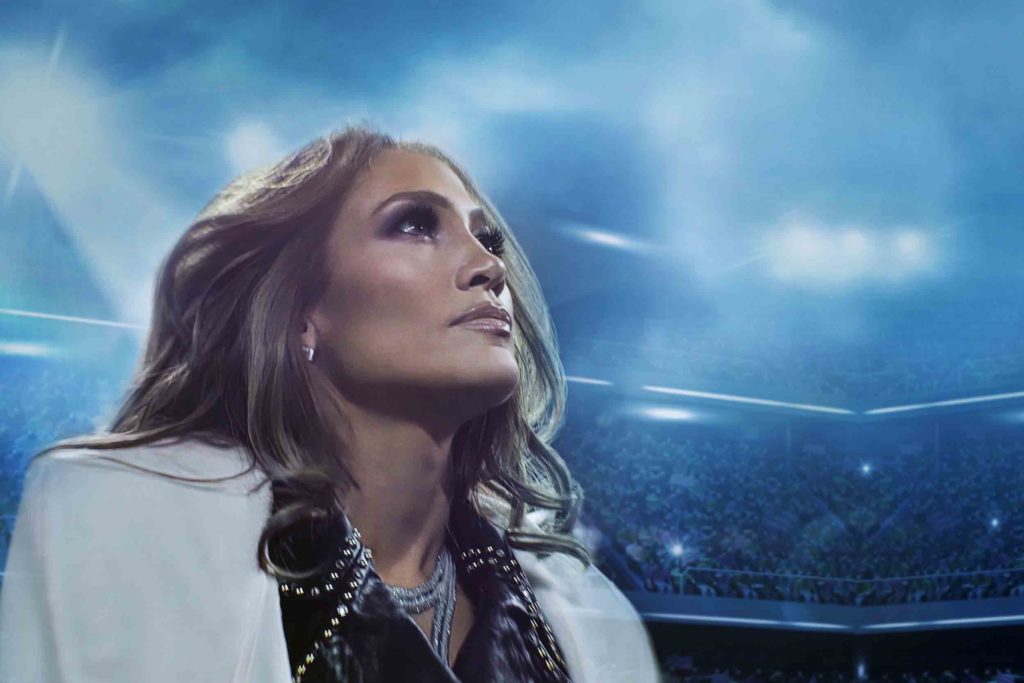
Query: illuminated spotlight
<point x="802" y="250"/>
<point x="746" y="399"/>
<point x="912" y="246"/>
<point x="70" y="319"/>
<point x="861" y="670"/>
<point x="856" y="253"/>
<point x="660" y="413"/>
<point x="940" y="404"/>
<point x="994" y="523"/>
<point x="865" y="468"/>
<point x="606" y="238"/>
<point x="601" y="237"/>
<point x="796" y="251"/>
<point x="587" y="380"/>
<point x="804" y="242"/>
<point x="25" y="349"/>
<point x="676" y="550"/>
<point x="854" y="241"/>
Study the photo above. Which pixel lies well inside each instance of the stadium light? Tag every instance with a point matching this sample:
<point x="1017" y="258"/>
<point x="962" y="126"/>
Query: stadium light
<point x="69" y="318"/>
<point x="745" y="621"/>
<point x="10" y="348"/>
<point x="940" y="404"/>
<point x="746" y="399"/>
<point x="604" y="237"/>
<point x="801" y="249"/>
<point x="587" y="380"/>
<point x="662" y="413"/>
<point x="963" y="621"/>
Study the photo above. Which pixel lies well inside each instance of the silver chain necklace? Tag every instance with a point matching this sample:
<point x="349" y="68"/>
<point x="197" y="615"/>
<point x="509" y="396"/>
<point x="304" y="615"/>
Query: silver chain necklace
<point x="438" y="591"/>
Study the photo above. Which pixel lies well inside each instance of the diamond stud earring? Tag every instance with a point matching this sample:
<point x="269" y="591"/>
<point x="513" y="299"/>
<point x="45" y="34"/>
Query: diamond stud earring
<point x="310" y="351"/>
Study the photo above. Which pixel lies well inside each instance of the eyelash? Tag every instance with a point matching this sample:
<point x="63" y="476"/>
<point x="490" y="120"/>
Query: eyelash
<point x="425" y="215"/>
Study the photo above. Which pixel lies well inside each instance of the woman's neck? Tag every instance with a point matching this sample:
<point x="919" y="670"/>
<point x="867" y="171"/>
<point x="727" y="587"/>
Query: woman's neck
<point x="402" y="505"/>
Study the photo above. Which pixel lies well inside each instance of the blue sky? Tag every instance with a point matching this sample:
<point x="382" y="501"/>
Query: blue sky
<point x="757" y="171"/>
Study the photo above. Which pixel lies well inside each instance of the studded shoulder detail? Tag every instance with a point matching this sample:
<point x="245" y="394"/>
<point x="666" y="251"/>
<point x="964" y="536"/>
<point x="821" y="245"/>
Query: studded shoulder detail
<point x="544" y="646"/>
<point x="344" y="579"/>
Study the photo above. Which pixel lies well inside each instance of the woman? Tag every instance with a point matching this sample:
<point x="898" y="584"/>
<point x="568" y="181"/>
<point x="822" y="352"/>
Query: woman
<point x="334" y="463"/>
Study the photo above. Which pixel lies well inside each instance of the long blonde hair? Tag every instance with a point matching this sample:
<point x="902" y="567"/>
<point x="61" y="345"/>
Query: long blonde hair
<point x="222" y="362"/>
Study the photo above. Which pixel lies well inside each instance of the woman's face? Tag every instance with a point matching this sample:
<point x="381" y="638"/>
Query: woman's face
<point x="403" y="268"/>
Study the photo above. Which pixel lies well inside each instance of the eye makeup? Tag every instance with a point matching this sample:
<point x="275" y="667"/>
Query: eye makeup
<point x="425" y="220"/>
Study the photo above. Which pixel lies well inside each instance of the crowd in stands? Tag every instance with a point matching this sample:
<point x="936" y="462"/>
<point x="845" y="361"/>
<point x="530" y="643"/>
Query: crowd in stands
<point x="687" y="674"/>
<point x="737" y="518"/>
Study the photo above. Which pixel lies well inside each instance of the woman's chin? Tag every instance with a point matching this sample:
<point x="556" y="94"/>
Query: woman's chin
<point x="491" y="388"/>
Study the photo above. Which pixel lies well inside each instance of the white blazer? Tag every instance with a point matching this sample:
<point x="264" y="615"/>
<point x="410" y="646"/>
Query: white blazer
<point x="121" y="576"/>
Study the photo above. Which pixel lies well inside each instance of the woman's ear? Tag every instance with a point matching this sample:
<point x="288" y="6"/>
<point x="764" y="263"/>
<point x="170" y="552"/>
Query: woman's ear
<point x="308" y="335"/>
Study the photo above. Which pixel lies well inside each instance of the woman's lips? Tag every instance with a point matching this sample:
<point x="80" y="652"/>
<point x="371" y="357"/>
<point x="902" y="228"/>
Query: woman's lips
<point x="488" y="325"/>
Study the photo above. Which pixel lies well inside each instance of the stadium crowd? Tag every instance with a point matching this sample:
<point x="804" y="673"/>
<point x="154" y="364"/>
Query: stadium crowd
<point x="688" y="674"/>
<point x="743" y="519"/>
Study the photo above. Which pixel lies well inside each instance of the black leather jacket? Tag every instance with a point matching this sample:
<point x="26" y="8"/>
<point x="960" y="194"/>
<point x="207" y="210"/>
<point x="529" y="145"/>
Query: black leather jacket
<point x="344" y="625"/>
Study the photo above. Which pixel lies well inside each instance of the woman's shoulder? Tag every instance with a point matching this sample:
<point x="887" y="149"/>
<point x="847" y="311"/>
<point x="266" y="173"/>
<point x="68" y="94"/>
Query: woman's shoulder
<point x="187" y="460"/>
<point x="154" y="491"/>
<point x="155" y="566"/>
<point x="143" y="499"/>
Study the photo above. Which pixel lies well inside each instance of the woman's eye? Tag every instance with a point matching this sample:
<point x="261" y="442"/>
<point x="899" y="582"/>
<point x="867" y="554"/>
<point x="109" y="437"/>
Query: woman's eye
<point x="424" y="217"/>
<point x="494" y="240"/>
<point x="424" y="220"/>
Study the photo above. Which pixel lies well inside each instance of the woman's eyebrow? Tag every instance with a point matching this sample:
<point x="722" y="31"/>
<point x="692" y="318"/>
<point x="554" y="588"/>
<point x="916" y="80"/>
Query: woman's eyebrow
<point x="475" y="216"/>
